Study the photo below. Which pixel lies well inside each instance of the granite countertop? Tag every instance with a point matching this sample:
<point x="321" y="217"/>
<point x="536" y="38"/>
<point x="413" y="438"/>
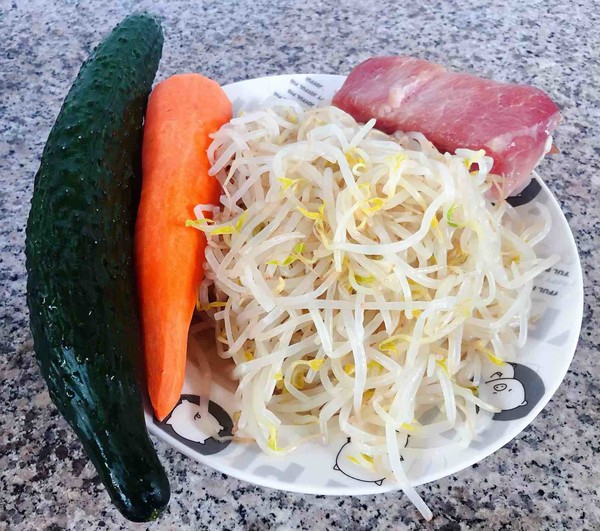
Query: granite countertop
<point x="547" y="478"/>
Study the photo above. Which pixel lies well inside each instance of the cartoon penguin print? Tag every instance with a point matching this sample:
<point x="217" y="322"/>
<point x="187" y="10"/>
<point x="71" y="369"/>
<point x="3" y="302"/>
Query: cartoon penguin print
<point x="348" y="462"/>
<point x="188" y="422"/>
<point x="193" y="426"/>
<point x="527" y="195"/>
<point x="511" y="387"/>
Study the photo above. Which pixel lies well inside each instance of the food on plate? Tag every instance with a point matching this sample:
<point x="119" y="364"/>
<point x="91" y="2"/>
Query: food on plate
<point x="182" y="112"/>
<point x="79" y="249"/>
<point x="512" y="123"/>
<point x="361" y="282"/>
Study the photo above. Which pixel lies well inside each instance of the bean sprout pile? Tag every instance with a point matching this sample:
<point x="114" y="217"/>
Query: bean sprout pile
<point x="360" y="282"/>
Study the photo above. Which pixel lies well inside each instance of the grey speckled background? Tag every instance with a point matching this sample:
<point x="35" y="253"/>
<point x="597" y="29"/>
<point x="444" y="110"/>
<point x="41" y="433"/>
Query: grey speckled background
<point x="547" y="478"/>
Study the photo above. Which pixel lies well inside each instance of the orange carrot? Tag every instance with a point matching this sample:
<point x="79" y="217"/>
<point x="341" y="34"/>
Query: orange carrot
<point x="182" y="111"/>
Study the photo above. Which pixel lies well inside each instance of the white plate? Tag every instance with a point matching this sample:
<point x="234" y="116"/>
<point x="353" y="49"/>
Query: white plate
<point x="324" y="469"/>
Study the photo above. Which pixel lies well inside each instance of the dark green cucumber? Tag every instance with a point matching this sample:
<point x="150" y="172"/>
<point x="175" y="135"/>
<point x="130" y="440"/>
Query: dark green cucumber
<point x="79" y="249"/>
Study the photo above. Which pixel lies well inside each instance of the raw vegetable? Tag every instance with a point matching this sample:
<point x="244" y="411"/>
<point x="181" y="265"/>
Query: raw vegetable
<point x="79" y="249"/>
<point x="365" y="284"/>
<point x="182" y="112"/>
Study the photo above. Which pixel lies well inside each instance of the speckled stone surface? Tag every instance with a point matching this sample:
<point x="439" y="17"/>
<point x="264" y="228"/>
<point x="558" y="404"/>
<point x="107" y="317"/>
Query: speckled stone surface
<point x="547" y="478"/>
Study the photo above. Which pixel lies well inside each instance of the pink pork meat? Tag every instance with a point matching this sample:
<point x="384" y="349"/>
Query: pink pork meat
<point x="512" y="123"/>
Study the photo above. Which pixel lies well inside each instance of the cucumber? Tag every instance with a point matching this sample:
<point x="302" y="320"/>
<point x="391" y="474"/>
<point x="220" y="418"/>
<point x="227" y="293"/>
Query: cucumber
<point x="79" y="250"/>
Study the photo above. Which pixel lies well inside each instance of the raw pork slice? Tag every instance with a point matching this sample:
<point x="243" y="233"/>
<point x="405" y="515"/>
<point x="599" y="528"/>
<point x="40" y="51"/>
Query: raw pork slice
<point x="512" y="123"/>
